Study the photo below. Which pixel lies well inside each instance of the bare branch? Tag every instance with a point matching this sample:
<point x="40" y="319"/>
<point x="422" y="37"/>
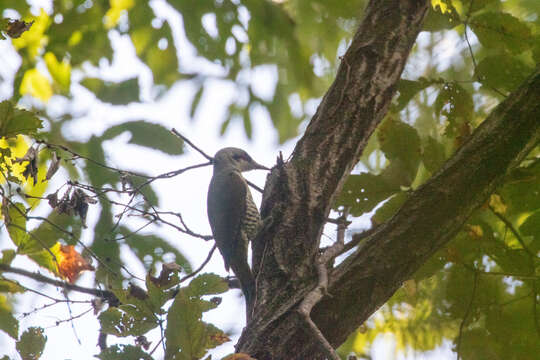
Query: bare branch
<point x="175" y="132"/>
<point x="105" y="294"/>
<point x="203" y="264"/>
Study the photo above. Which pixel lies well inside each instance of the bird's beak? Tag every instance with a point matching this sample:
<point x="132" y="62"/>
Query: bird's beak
<point x="259" y="166"/>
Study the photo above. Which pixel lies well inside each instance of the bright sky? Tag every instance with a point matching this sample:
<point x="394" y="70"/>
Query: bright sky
<point x="185" y="194"/>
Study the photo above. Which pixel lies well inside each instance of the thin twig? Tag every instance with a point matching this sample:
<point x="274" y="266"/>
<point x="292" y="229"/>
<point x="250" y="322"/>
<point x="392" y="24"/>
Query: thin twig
<point x="56" y="301"/>
<point x="105" y="294"/>
<point x="208" y="157"/>
<point x="467" y="312"/>
<point x="77" y="155"/>
<point x="514" y="231"/>
<point x="175" y="132"/>
<point x="254" y="186"/>
<point x="71" y="318"/>
<point x="497" y="273"/>
<point x="155" y="347"/>
<point x="466" y="25"/>
<point x="195" y="272"/>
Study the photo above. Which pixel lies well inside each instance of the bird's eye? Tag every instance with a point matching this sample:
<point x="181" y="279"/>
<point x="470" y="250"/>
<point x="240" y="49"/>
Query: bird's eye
<point x="237" y="157"/>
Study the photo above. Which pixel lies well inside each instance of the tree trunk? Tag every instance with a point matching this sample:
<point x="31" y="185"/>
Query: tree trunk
<point x="299" y="194"/>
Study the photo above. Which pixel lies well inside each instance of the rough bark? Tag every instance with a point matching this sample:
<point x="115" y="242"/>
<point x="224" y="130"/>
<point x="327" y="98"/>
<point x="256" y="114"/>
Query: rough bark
<point x="299" y="194"/>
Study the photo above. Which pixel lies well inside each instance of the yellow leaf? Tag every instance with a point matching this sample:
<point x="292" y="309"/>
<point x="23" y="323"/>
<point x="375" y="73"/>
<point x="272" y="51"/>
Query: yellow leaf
<point x="497" y="204"/>
<point x="113" y="14"/>
<point x="75" y="38"/>
<point x="36" y="84"/>
<point x="440" y="4"/>
<point x="60" y="72"/>
<point x="475" y="231"/>
<point x="18" y="148"/>
<point x="35" y="38"/>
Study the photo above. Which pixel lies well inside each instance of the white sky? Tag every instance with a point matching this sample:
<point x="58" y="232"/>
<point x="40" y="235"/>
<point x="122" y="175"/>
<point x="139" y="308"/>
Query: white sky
<point x="185" y="194"/>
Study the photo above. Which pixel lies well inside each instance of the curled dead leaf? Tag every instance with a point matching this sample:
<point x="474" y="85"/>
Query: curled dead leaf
<point x="15" y="28"/>
<point x="72" y="203"/>
<point x="53" y="167"/>
<point x="165" y="275"/>
<point x="216" y="300"/>
<point x="31" y="168"/>
<point x="143" y="342"/>
<point x="53" y="199"/>
<point x="97" y="304"/>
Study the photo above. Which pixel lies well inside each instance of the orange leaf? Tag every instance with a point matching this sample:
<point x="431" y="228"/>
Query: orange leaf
<point x="71" y="263"/>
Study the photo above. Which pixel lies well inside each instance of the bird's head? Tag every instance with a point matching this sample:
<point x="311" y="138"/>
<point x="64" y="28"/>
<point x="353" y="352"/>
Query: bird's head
<point x="235" y="158"/>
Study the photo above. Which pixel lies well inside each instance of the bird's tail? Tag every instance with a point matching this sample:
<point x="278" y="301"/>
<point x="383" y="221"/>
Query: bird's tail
<point x="247" y="282"/>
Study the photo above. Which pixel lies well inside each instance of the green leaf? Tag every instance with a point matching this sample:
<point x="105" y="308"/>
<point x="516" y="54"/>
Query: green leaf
<point x="187" y="336"/>
<point x="126" y="320"/>
<point x="437" y="20"/>
<point x="150" y="42"/>
<point x="224" y="126"/>
<point x="16" y="224"/>
<point x="47" y="258"/>
<point x="477" y="5"/>
<point x="123" y="352"/>
<point x="8" y="323"/>
<point x="31" y="344"/>
<point x="69" y="223"/>
<point x="81" y="34"/>
<point x="501" y="31"/>
<point x="517" y="189"/>
<point x="407" y="89"/>
<point x="7" y="256"/>
<point x="14" y="121"/>
<point x="196" y="100"/>
<point x="246" y="119"/>
<point x="433" y="154"/>
<point x="153" y="246"/>
<point x="502" y="72"/>
<point x="207" y="284"/>
<point x="389" y="208"/>
<point x="21" y="7"/>
<point x="400" y="141"/>
<point x="363" y="192"/>
<point x="456" y="104"/>
<point x="10" y="286"/>
<point x="159" y="288"/>
<point x="147" y="134"/>
<point x="531" y="226"/>
<point x="116" y="93"/>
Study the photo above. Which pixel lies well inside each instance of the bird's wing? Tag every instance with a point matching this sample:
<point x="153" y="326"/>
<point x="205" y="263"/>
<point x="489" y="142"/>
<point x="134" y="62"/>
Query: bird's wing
<point x="226" y="209"/>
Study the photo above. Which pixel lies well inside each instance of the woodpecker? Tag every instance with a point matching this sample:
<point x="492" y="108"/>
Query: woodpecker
<point x="234" y="217"/>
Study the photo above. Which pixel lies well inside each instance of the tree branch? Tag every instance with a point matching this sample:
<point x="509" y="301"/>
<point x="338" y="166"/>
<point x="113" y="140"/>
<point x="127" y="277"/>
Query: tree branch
<point x="298" y="196"/>
<point x="433" y="213"/>
<point x="105" y="294"/>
